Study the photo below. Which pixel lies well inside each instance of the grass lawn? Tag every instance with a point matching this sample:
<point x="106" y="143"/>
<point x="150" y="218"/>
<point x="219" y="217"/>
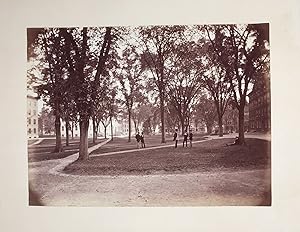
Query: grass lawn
<point x="211" y="155"/>
<point x="44" y="150"/>
<point x="122" y="144"/>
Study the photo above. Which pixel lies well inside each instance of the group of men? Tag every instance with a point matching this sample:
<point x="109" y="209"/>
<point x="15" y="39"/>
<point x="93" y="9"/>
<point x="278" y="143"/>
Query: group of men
<point x="140" y="140"/>
<point x="186" y="136"/>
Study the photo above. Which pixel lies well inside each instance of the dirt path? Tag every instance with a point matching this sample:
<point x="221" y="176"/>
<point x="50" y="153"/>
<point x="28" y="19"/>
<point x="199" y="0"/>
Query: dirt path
<point x="196" y="189"/>
<point x="222" y="187"/>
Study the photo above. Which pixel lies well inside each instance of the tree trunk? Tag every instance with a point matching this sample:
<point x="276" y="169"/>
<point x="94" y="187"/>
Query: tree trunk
<point x="220" y="124"/>
<point x="241" y="125"/>
<point x="182" y="125"/>
<point x="105" y="132"/>
<point x="58" y="145"/>
<point x="135" y="126"/>
<point x="83" y="147"/>
<point x="209" y="128"/>
<point x="111" y="129"/>
<point x="72" y="130"/>
<point x="162" y="118"/>
<point x="196" y="126"/>
<point x="42" y="127"/>
<point x="129" y="126"/>
<point x="94" y="131"/>
<point x="188" y="126"/>
<point x="67" y="132"/>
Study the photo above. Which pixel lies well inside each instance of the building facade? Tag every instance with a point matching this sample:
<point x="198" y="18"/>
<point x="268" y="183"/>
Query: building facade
<point x="120" y="128"/>
<point x="32" y="117"/>
<point x="260" y="105"/>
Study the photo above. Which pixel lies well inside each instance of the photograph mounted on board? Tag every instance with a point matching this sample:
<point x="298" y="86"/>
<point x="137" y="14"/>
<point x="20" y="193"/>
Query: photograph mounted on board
<point x="161" y="115"/>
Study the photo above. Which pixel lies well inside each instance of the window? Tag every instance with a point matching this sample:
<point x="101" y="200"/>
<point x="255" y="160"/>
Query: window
<point x="29" y="130"/>
<point x="34" y="130"/>
<point x="62" y="128"/>
<point x="29" y="120"/>
<point x="34" y="121"/>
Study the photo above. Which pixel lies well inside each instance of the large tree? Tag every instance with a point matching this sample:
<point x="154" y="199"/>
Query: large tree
<point x="244" y="52"/>
<point x="69" y="113"/>
<point x="85" y="83"/>
<point x="185" y="85"/>
<point x="100" y="111"/>
<point x="141" y="113"/>
<point x="215" y="81"/>
<point x="158" y="44"/>
<point x="206" y="112"/>
<point x="107" y="110"/>
<point x="46" y="122"/>
<point x="129" y="75"/>
<point x="52" y="85"/>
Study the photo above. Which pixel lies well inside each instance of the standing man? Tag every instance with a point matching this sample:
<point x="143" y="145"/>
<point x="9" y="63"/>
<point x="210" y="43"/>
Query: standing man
<point x="191" y="138"/>
<point x="185" y="137"/>
<point x="143" y="140"/>
<point x="175" y="138"/>
<point x="138" y="139"/>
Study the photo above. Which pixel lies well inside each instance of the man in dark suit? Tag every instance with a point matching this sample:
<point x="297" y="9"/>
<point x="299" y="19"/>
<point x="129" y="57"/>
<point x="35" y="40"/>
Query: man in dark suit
<point x="191" y="138"/>
<point x="175" y="138"/>
<point x="138" y="139"/>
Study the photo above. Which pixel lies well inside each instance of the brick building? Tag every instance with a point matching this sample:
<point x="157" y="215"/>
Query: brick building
<point x="260" y="105"/>
<point x="32" y="117"/>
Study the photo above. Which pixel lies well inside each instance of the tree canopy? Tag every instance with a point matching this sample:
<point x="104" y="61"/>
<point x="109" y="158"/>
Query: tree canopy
<point x="159" y="74"/>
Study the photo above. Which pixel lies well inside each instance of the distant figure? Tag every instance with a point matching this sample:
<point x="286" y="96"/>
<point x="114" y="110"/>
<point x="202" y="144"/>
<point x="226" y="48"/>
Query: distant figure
<point x="176" y="138"/>
<point x="138" y="139"/>
<point x="185" y="138"/>
<point x="191" y="138"/>
<point x="143" y="140"/>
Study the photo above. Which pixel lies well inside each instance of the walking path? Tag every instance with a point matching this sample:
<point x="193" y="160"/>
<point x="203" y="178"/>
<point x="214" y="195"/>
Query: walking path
<point x="69" y="159"/>
<point x="141" y="149"/>
<point x="265" y="136"/>
<point x="36" y="143"/>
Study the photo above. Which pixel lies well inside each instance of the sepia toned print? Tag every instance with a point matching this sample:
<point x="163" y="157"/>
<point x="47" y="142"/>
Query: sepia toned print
<point x="175" y="115"/>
